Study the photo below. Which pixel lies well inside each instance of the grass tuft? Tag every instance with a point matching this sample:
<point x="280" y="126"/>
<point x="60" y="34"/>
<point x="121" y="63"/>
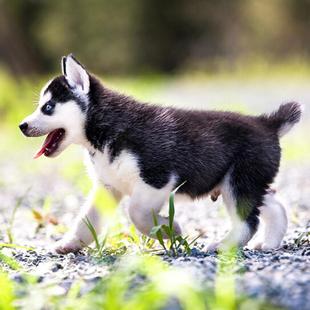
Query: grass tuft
<point x="19" y="201"/>
<point x="99" y="244"/>
<point x="177" y="245"/>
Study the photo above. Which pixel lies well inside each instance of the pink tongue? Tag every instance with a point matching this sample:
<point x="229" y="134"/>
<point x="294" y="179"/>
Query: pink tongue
<point x="48" y="139"/>
<point x="40" y="152"/>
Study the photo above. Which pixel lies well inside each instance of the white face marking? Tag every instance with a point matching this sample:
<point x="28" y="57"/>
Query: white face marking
<point x="66" y="115"/>
<point x="36" y="120"/>
<point x="44" y="88"/>
<point x="44" y="98"/>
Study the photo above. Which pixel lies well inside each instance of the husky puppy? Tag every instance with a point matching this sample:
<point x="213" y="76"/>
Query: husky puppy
<point x="145" y="151"/>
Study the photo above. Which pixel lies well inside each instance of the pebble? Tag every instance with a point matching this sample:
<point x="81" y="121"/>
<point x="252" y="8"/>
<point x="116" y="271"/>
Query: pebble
<point x="56" y="267"/>
<point x="18" y="278"/>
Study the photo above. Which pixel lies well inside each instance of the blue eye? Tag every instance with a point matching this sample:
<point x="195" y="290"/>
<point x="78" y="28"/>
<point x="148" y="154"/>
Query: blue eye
<point x="48" y="108"/>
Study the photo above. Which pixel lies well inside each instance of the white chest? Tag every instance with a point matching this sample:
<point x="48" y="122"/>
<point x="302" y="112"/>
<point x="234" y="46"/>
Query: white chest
<point x="121" y="174"/>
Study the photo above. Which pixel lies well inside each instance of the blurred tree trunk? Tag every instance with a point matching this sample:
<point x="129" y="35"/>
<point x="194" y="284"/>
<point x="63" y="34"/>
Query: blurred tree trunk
<point x="15" y="50"/>
<point x="164" y="34"/>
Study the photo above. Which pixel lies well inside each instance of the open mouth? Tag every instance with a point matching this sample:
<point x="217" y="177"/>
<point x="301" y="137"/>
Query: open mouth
<point x="51" y="143"/>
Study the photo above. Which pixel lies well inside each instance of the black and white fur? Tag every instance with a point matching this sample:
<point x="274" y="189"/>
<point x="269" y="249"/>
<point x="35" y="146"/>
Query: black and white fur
<point x="145" y="151"/>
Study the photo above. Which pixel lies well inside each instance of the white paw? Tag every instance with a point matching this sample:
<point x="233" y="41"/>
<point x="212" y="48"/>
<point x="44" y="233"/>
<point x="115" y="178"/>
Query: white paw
<point x="264" y="246"/>
<point x="222" y="246"/>
<point x="68" y="245"/>
<point x="257" y="245"/>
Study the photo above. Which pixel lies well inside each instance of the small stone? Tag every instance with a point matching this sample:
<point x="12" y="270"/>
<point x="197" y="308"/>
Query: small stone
<point x="275" y="258"/>
<point x="70" y="255"/>
<point x="40" y="279"/>
<point x="18" y="278"/>
<point x="66" y="284"/>
<point x="285" y="256"/>
<point x="56" y="267"/>
<point x="195" y="252"/>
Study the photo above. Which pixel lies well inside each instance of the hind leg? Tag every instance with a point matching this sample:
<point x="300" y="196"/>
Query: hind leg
<point x="275" y="222"/>
<point x="145" y="203"/>
<point x="242" y="207"/>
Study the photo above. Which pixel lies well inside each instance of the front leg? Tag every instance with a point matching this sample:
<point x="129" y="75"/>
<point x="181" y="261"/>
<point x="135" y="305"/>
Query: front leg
<point x="79" y="235"/>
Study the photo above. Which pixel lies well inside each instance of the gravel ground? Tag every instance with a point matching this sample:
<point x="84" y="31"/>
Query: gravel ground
<point x="280" y="276"/>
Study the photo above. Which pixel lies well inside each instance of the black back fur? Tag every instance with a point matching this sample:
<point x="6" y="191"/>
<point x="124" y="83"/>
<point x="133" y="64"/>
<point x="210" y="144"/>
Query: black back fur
<point x="200" y="147"/>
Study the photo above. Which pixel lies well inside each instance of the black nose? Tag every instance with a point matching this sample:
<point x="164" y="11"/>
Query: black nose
<point x="23" y="127"/>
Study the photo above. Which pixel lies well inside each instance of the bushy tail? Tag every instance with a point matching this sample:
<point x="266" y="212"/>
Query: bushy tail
<point x="284" y="118"/>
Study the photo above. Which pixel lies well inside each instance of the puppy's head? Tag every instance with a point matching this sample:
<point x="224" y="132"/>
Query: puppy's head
<point x="61" y="110"/>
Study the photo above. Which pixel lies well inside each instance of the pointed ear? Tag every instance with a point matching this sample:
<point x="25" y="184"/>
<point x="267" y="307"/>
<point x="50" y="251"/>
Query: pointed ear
<point x="75" y="74"/>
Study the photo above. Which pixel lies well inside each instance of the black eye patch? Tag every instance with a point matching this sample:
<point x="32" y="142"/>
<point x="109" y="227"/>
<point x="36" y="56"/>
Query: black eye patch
<point x="48" y="108"/>
<point x="61" y="92"/>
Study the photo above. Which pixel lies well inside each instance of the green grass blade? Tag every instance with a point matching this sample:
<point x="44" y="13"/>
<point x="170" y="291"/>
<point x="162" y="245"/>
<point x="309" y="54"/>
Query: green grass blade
<point x="103" y="243"/>
<point x="171" y="211"/>
<point x="12" y="219"/>
<point x="171" y="206"/>
<point x="155" y="221"/>
<point x="168" y="231"/>
<point x="158" y="232"/>
<point x="93" y="232"/>
<point x="160" y="238"/>
<point x="9" y="261"/>
<point x="15" y="246"/>
<point x="155" y="230"/>
<point x="195" y="239"/>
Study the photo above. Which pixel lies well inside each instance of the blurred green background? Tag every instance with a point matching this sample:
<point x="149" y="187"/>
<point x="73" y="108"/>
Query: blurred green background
<point x="139" y="36"/>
